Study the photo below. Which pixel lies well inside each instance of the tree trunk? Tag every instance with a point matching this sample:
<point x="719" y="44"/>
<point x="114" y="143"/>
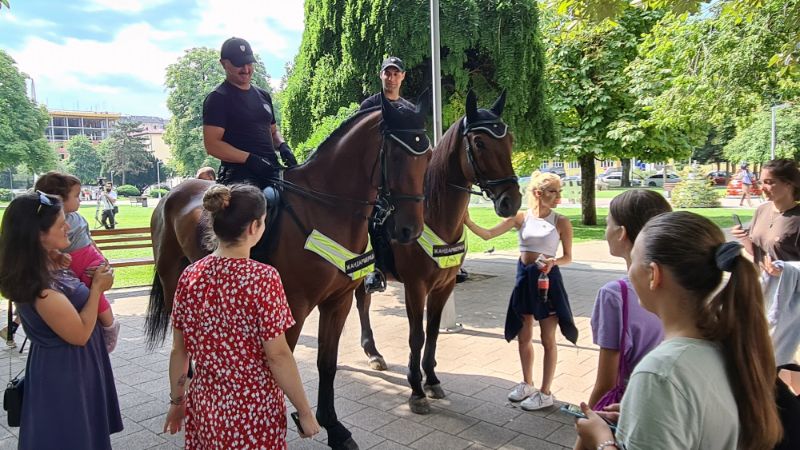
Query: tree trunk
<point x="588" y="211"/>
<point x="123" y="177"/>
<point x="625" y="181"/>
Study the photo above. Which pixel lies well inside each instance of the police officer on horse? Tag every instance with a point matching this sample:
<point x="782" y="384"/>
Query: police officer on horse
<point x="239" y="122"/>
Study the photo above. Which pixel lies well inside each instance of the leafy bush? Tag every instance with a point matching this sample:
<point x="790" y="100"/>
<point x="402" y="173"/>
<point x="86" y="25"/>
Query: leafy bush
<point x="324" y="128"/>
<point x="154" y="193"/>
<point x="6" y="195"/>
<point x="696" y="193"/>
<point x="126" y="190"/>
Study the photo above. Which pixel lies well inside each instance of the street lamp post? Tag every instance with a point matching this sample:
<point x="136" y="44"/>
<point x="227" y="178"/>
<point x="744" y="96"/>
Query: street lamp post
<point x="773" y="131"/>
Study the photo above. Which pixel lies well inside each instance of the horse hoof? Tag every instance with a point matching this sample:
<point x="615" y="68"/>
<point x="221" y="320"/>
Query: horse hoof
<point x="377" y="363"/>
<point x="419" y="405"/>
<point x="434" y="391"/>
<point x="349" y="444"/>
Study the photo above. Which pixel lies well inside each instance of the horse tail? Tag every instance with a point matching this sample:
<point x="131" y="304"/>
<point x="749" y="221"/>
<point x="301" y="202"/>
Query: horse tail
<point x="156" y="321"/>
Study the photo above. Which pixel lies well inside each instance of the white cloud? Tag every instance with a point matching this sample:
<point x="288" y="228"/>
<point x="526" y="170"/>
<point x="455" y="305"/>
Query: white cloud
<point x="7" y="17"/>
<point x="123" y="6"/>
<point x="254" y="21"/>
<point x="74" y="64"/>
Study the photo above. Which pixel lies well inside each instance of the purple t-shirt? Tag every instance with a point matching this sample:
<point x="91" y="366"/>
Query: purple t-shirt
<point x="645" y="331"/>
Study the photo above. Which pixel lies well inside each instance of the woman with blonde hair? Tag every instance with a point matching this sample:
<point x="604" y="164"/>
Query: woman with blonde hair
<point x="540" y="230"/>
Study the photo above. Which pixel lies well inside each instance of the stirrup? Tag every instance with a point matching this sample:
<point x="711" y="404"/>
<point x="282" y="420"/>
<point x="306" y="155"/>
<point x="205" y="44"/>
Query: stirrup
<point x="375" y="282"/>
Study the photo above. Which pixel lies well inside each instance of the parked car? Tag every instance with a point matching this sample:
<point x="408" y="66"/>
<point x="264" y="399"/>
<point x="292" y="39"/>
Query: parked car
<point x="556" y="170"/>
<point x="657" y="180"/>
<point x="611" y="170"/>
<point x="576" y="180"/>
<point x="719" y="177"/>
<point x="615" y="180"/>
<point x="734" y="188"/>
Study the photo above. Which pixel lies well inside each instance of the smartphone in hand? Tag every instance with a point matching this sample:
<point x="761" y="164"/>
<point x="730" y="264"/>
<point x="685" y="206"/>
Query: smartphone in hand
<point x="738" y="221"/>
<point x="296" y="417"/>
<point x="572" y="410"/>
<point x="575" y="411"/>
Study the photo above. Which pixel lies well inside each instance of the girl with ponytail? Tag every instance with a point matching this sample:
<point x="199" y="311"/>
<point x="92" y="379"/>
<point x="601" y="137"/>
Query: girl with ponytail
<point x="710" y="384"/>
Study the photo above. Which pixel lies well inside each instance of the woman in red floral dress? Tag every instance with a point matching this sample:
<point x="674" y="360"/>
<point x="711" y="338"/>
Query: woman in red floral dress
<point x="230" y="314"/>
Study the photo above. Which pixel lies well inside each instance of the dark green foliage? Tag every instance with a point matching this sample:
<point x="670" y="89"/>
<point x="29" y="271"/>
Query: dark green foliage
<point x="155" y="193"/>
<point x="22" y="123"/>
<point x="127" y="190"/>
<point x="6" y="195"/>
<point x="488" y="45"/>
<point x="84" y="161"/>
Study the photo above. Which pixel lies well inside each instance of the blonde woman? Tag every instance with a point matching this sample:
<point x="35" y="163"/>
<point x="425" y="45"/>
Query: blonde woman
<point x="540" y="230"/>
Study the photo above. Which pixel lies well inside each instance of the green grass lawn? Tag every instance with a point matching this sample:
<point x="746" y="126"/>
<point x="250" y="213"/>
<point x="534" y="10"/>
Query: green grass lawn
<point x="136" y="216"/>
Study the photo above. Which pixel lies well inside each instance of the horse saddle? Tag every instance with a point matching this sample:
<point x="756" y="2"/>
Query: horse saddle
<point x="268" y="240"/>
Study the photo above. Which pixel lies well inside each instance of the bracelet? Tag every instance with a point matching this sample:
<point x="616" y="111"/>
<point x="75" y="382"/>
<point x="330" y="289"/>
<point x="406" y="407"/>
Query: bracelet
<point x="177" y="401"/>
<point x="608" y="443"/>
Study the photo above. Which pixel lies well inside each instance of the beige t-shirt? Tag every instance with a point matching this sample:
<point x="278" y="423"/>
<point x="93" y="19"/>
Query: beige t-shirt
<point x="680" y="397"/>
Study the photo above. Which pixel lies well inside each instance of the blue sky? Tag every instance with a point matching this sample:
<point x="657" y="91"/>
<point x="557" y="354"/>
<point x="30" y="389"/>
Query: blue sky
<point x="111" y="55"/>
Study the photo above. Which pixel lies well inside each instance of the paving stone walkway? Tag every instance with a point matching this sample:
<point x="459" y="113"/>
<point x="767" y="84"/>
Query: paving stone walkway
<point x="477" y="368"/>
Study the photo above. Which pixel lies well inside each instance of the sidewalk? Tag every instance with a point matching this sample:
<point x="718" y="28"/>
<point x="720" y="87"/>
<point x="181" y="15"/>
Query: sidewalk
<point x="477" y="368"/>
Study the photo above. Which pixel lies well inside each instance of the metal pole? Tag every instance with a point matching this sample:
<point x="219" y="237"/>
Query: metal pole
<point x="774" y="130"/>
<point x="448" y="323"/>
<point x="436" y="74"/>
<point x="772" y="135"/>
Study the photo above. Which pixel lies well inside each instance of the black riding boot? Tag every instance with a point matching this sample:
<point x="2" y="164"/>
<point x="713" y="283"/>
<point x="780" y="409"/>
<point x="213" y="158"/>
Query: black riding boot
<point x="375" y="282"/>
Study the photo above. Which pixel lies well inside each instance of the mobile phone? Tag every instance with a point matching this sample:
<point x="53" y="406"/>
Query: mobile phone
<point x="575" y="411"/>
<point x="296" y="417"/>
<point x="572" y="410"/>
<point x="738" y="221"/>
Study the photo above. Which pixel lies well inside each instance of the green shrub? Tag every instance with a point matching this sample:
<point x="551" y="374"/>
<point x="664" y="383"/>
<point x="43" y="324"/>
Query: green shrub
<point x="696" y="193"/>
<point x="6" y="195"/>
<point x="154" y="193"/>
<point x="324" y="128"/>
<point x="126" y="190"/>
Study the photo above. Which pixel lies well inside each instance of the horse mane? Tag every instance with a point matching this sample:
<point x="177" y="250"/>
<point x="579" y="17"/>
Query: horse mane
<point x="439" y="168"/>
<point x="342" y="129"/>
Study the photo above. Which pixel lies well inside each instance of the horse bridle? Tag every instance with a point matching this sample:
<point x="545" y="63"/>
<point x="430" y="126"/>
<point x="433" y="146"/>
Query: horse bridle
<point x="386" y="201"/>
<point x="497" y="129"/>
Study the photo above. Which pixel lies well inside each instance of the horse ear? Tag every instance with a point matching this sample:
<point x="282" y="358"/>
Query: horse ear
<point x="499" y="104"/>
<point x="424" y="103"/>
<point x="390" y="113"/>
<point x="472" y="106"/>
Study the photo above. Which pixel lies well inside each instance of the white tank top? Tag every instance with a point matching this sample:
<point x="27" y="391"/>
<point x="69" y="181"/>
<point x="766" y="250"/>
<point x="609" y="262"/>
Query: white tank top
<point x="539" y="235"/>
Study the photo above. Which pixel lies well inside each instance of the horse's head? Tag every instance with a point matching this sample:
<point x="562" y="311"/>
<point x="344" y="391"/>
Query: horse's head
<point x="487" y="162"/>
<point x="404" y="158"/>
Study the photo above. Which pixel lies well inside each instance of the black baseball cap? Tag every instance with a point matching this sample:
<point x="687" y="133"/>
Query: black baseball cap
<point x="393" y="61"/>
<point x="237" y="51"/>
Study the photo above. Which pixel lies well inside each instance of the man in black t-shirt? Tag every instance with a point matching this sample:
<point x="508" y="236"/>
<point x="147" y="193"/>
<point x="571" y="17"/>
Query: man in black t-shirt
<point x="239" y="122"/>
<point x="392" y="74"/>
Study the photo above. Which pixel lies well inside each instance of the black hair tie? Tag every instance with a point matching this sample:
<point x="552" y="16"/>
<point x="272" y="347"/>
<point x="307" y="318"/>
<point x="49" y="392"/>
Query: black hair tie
<point x="726" y="255"/>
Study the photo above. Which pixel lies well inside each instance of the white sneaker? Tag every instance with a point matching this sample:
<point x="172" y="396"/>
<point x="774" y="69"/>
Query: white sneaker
<point x="521" y="392"/>
<point x="537" y="401"/>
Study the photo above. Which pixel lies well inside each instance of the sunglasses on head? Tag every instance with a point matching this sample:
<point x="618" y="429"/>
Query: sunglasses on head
<point x="43" y="200"/>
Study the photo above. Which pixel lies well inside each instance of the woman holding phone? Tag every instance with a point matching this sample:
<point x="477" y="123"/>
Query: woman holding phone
<point x="774" y="235"/>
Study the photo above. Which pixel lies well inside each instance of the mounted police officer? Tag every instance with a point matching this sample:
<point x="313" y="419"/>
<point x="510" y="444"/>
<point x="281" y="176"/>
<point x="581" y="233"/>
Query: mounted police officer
<point x="239" y="122"/>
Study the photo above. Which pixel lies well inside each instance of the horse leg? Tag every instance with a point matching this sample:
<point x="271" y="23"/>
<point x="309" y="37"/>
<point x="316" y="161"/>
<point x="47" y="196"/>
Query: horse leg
<point x="415" y="309"/>
<point x="332" y="316"/>
<point x="436" y="302"/>
<point x="363" y="300"/>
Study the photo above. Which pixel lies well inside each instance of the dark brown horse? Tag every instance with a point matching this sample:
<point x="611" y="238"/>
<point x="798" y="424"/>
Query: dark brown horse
<point x="476" y="150"/>
<point x="375" y="156"/>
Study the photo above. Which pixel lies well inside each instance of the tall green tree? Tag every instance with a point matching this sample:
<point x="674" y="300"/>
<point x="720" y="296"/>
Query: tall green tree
<point x="188" y="81"/>
<point x="752" y="142"/>
<point x="84" y="161"/>
<point x="128" y="152"/>
<point x="594" y="98"/>
<point x="22" y="123"/>
<point x="485" y="44"/>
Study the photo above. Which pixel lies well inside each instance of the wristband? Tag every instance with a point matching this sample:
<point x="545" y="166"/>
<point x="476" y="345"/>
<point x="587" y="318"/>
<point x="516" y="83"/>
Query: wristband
<point x="177" y="401"/>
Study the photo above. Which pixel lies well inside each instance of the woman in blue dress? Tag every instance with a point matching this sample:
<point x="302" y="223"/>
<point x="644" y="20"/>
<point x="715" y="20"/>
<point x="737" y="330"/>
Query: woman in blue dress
<point x="70" y="400"/>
